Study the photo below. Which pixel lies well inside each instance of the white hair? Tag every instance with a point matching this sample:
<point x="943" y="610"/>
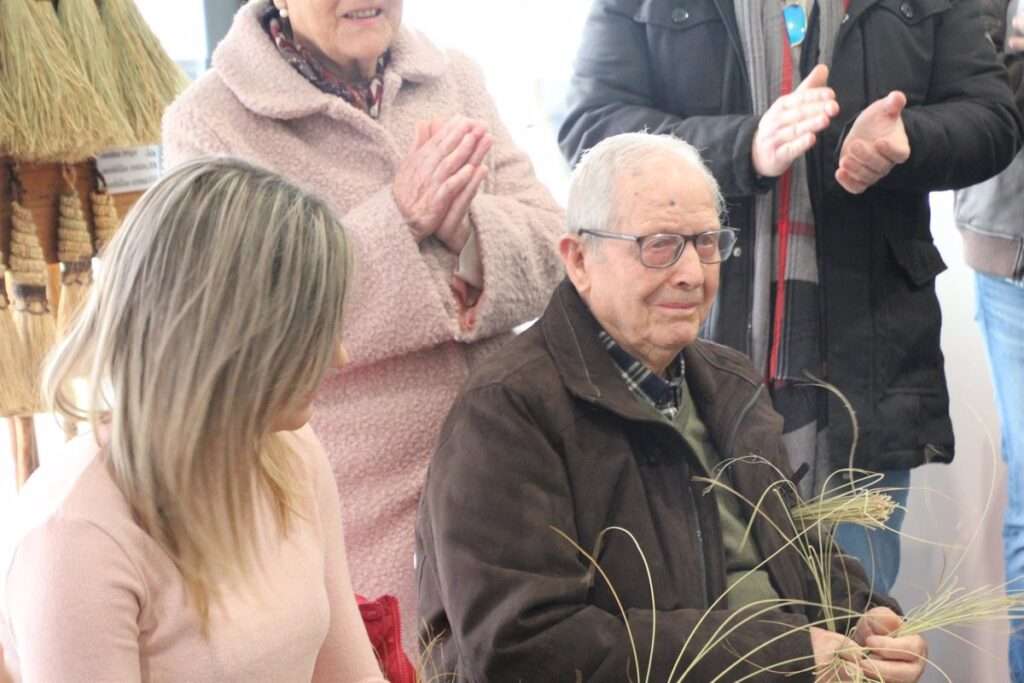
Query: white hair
<point x="593" y="191"/>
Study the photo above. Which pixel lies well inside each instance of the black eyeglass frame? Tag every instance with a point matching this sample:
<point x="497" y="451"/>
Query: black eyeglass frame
<point x="731" y="235"/>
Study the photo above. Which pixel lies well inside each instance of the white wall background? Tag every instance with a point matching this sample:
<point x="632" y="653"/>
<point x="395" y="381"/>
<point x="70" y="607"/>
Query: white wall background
<point x="948" y="503"/>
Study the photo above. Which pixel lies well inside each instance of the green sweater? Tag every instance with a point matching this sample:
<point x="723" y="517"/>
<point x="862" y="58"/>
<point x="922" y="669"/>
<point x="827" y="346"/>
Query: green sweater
<point x="745" y="586"/>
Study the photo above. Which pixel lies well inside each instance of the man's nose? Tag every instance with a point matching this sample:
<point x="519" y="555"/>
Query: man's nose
<point x="688" y="271"/>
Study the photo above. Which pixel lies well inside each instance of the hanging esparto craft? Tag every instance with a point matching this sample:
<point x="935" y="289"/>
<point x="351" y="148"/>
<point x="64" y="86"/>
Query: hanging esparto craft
<point x="105" y="216"/>
<point x="75" y="251"/>
<point x="89" y="46"/>
<point x="147" y="77"/>
<point x="54" y="112"/>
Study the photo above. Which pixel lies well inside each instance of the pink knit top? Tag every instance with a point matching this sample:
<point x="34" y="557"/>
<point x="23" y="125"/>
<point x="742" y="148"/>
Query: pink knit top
<point x="88" y="596"/>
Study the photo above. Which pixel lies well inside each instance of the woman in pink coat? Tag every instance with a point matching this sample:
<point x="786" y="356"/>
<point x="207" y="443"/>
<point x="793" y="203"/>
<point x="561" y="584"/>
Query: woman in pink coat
<point x="453" y="235"/>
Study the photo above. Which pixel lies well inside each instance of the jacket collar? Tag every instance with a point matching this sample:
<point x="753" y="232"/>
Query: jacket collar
<point x="250" y="66"/>
<point x="571" y="334"/>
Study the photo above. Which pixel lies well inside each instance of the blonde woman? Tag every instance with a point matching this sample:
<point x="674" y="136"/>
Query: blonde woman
<point x="196" y="534"/>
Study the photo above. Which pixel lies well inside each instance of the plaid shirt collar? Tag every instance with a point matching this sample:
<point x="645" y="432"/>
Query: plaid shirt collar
<point x="665" y="395"/>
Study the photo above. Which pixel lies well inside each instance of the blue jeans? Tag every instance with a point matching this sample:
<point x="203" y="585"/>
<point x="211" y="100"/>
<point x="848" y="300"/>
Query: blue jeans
<point x="879" y="549"/>
<point x="1001" y="318"/>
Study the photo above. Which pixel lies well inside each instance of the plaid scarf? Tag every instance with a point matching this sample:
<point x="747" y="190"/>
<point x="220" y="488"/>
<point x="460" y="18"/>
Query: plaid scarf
<point x="664" y="395"/>
<point x="364" y="95"/>
<point x="785" y="317"/>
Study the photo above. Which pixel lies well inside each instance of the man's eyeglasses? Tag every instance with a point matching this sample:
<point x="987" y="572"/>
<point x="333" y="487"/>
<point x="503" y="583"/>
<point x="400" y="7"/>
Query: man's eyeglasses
<point x="663" y="249"/>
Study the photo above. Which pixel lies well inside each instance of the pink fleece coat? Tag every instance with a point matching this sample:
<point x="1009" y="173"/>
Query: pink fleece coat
<point x="379" y="419"/>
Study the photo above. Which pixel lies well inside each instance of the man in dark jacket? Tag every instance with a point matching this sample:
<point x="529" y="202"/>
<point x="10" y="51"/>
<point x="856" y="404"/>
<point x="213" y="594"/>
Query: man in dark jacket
<point x="990" y="217"/>
<point x="833" y="275"/>
<point x="596" y="432"/>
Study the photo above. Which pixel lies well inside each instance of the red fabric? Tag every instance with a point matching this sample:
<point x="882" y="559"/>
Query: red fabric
<point x="784" y="223"/>
<point x="384" y="626"/>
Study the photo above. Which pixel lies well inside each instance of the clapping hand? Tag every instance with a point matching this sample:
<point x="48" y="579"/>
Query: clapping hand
<point x="789" y="128"/>
<point x="439" y="177"/>
<point x="875" y="144"/>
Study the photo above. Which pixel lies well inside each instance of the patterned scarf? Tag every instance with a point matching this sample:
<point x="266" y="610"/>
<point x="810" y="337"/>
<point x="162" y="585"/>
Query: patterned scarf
<point x="364" y="95"/>
<point x="785" y="316"/>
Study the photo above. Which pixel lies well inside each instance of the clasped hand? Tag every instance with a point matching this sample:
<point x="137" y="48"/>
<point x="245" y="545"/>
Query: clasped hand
<point x="439" y="177"/>
<point x="873" y="654"/>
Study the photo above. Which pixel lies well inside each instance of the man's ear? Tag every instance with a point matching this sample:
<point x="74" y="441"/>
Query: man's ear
<point x="575" y="257"/>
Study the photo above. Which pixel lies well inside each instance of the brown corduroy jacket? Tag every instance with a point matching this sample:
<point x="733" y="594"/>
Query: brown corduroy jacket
<point x="546" y="435"/>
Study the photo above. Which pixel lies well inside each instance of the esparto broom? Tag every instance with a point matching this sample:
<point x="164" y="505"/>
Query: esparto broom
<point x="53" y="111"/>
<point x="147" y="77"/>
<point x="74" y="251"/>
<point x="104" y="216"/>
<point x="90" y="48"/>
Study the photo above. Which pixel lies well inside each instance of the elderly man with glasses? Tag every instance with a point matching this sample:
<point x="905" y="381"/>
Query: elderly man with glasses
<point x="826" y="123"/>
<point x="594" y="433"/>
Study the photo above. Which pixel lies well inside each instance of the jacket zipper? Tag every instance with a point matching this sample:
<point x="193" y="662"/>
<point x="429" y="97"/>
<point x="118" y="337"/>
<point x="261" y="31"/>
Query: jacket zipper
<point x="702" y="560"/>
<point x="699" y="532"/>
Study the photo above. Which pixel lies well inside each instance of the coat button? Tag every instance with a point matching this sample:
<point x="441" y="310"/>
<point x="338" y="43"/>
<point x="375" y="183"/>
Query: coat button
<point x="907" y="10"/>
<point x="679" y="15"/>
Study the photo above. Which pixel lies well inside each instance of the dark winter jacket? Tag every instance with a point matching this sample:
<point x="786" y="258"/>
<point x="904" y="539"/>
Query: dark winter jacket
<point x="547" y="435"/>
<point x="990" y="215"/>
<point x="676" y="66"/>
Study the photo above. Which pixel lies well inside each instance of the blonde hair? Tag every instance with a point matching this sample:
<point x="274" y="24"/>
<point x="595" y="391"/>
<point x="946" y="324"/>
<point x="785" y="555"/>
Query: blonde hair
<point x="218" y="308"/>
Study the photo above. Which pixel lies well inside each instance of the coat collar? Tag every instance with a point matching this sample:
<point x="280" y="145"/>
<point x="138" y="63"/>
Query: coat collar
<point x="571" y="333"/>
<point x="250" y="66"/>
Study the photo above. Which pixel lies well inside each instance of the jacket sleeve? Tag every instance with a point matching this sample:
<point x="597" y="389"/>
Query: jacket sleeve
<point x="515" y="594"/>
<point x="969" y="129"/>
<point x="613" y="91"/>
<point x="517" y="223"/>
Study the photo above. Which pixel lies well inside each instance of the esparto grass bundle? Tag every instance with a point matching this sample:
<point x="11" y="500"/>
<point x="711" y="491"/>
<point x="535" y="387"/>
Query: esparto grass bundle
<point x="857" y="501"/>
<point x="960" y="607"/>
<point x="90" y="48"/>
<point x="53" y="111"/>
<point x="146" y="76"/>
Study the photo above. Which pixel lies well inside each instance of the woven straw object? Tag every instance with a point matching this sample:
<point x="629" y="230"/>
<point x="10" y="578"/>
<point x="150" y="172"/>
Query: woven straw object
<point x="53" y="111"/>
<point x="147" y="77"/>
<point x="90" y="49"/>
<point x="105" y="218"/>
<point x="75" y="251"/>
